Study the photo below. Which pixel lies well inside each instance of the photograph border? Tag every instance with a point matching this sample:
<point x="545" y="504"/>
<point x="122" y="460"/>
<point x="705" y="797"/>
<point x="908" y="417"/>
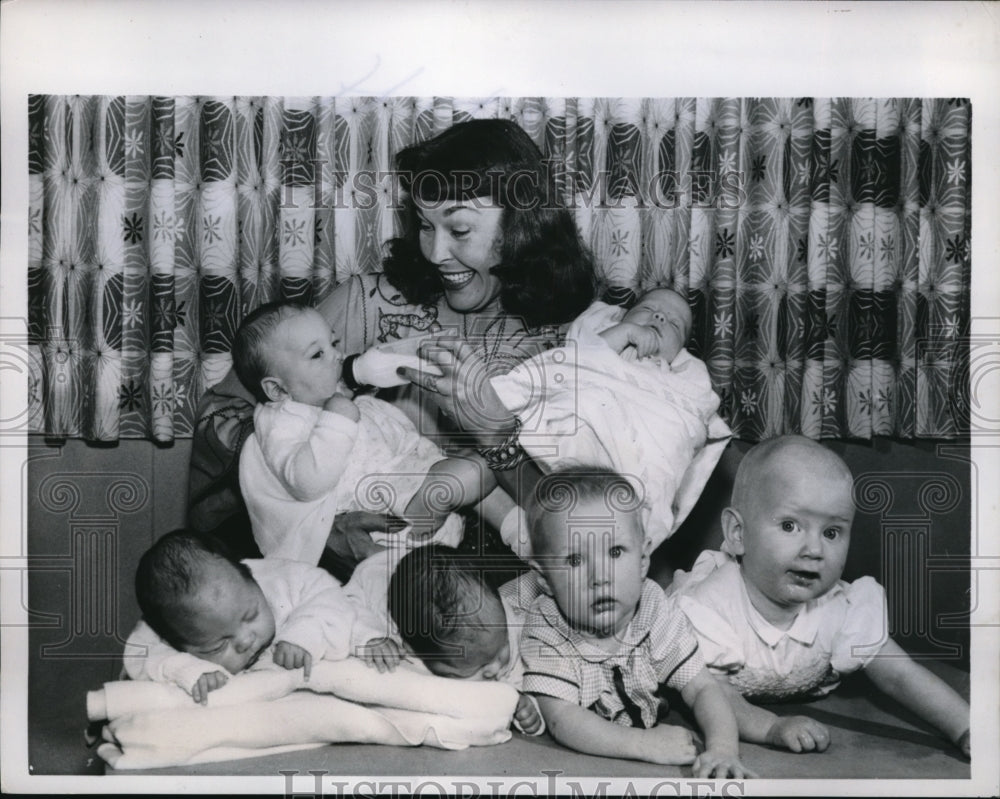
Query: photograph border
<point x="593" y="49"/>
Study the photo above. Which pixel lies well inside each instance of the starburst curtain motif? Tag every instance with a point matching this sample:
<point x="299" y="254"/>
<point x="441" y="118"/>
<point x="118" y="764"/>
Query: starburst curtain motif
<point x="823" y="244"/>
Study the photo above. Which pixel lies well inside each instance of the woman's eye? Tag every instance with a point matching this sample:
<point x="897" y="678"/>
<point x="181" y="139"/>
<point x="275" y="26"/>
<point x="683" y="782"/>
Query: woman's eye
<point x="788" y="526"/>
<point x="615" y="552"/>
<point x="460" y="233"/>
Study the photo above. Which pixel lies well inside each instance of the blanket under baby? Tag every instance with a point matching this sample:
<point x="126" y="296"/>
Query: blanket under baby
<point x="152" y="725"/>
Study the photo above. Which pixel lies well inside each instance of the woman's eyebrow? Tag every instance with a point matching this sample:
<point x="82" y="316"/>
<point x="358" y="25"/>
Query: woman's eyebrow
<point x="459" y="207"/>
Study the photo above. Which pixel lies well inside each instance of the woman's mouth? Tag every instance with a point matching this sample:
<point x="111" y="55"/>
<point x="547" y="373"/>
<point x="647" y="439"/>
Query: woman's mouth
<point x="457" y="280"/>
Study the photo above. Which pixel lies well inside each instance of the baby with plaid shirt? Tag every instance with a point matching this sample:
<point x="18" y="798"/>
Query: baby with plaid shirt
<point x="600" y="641"/>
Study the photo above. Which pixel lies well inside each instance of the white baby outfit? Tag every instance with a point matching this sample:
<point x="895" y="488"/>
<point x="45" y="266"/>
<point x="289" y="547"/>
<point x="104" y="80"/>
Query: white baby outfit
<point x="310" y="608"/>
<point x="303" y="465"/>
<point x="832" y="635"/>
<point x="586" y="405"/>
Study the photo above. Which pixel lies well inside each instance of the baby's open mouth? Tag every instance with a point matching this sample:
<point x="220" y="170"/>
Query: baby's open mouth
<point x="803" y="577"/>
<point x="456" y="280"/>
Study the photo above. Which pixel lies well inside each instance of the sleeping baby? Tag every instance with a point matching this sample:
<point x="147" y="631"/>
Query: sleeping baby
<point x="206" y="616"/>
<point x="626" y="395"/>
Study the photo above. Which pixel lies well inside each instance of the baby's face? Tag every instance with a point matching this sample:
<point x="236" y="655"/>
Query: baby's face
<point x="485" y="648"/>
<point x="668" y="314"/>
<point x="304" y="359"/>
<point x="796" y="533"/>
<point x="227" y="621"/>
<point x="594" y="570"/>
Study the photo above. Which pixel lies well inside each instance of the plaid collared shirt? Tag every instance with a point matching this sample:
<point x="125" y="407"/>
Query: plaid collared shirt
<point x="658" y="647"/>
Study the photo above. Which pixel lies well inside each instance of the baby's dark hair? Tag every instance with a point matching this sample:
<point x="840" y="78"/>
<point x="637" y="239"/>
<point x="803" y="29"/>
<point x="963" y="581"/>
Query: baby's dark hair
<point x="435" y="596"/>
<point x="172" y="570"/>
<point x="250" y="351"/>
<point x="559" y="490"/>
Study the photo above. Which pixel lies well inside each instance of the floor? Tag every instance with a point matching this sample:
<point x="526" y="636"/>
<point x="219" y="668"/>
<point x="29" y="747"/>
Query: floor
<point x="871" y="738"/>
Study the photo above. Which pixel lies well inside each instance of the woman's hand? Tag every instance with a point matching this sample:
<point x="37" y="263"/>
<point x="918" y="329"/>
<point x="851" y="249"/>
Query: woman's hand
<point x="463" y="390"/>
<point x="351" y="538"/>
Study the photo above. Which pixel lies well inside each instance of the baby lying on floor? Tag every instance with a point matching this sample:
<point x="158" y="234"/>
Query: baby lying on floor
<point x="440" y="608"/>
<point x="207" y="616"/>
<point x="773" y="617"/>
<point x="626" y="395"/>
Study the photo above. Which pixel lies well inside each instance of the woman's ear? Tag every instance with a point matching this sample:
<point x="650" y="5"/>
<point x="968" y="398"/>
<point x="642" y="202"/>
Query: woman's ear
<point x="540" y="576"/>
<point x="732" y="531"/>
<point x="273" y="388"/>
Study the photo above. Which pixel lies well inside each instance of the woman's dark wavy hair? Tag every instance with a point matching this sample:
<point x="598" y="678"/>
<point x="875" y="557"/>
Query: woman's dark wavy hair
<point x="546" y="272"/>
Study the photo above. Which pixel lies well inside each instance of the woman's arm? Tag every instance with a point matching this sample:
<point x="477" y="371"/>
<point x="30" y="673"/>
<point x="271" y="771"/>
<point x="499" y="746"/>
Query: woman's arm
<point x="896" y="674"/>
<point x="577" y="728"/>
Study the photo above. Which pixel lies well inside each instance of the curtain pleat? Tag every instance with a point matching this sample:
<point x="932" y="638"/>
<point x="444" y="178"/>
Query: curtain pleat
<point x="822" y="243"/>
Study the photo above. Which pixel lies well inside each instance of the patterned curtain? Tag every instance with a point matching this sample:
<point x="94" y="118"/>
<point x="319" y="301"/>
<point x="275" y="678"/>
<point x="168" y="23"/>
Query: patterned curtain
<point x="823" y="244"/>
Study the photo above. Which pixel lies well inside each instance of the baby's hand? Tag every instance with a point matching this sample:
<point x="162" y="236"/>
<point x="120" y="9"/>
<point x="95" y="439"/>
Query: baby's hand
<point x="290" y="656"/>
<point x="668" y="745"/>
<point x="527" y="716"/>
<point x="799" y="733"/>
<point x="383" y="654"/>
<point x="338" y="403"/>
<point x="710" y="764"/>
<point x="646" y="340"/>
<point x="207" y="682"/>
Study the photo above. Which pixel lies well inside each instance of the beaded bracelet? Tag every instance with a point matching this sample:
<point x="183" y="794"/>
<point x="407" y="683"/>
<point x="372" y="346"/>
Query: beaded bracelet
<point x="508" y="454"/>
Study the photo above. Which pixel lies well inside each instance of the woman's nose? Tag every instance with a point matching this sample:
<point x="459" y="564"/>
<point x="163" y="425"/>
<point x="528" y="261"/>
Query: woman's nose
<point x="439" y="250"/>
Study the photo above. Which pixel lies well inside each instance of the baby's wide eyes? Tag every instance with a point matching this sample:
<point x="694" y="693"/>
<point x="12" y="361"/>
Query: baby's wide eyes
<point x="831" y="533"/>
<point x="788" y="526"/>
<point x="615" y="552"/>
<point x="574" y="560"/>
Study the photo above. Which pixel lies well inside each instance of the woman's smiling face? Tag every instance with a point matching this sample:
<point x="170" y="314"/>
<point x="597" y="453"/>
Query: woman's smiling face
<point x="462" y="239"/>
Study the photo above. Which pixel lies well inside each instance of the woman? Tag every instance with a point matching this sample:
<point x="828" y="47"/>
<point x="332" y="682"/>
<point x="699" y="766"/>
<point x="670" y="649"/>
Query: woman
<point x="487" y="256"/>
